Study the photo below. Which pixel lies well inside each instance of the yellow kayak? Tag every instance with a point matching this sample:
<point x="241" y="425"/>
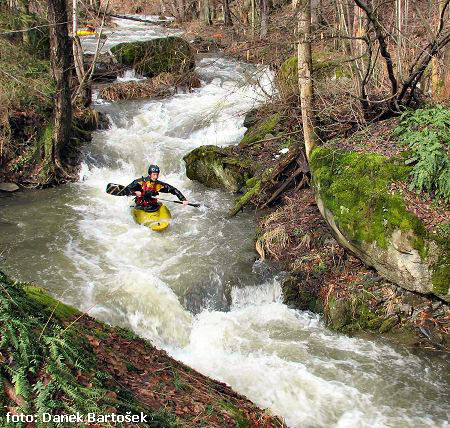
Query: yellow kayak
<point x="156" y="220"/>
<point x="85" y="33"/>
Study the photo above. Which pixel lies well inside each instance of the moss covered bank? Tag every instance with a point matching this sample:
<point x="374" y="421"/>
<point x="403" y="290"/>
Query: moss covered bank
<point x="355" y="197"/>
<point x="57" y="361"/>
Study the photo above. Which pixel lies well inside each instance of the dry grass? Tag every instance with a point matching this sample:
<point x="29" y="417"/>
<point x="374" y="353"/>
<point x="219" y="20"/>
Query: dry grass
<point x="274" y="241"/>
<point x="163" y="85"/>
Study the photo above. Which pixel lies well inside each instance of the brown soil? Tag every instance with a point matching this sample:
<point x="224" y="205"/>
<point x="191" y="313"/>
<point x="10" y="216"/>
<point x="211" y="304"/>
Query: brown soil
<point x="162" y="383"/>
<point x="376" y="138"/>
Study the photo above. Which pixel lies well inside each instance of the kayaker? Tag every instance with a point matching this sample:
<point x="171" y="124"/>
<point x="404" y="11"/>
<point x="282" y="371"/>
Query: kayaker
<point x="147" y="188"/>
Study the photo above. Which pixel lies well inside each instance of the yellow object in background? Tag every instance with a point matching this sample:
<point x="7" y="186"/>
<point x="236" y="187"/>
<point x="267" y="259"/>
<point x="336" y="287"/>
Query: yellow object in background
<point x="85" y="33"/>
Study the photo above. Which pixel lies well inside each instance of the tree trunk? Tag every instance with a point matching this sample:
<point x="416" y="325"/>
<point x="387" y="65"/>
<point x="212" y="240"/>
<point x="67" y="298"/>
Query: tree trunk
<point x="24" y="9"/>
<point x="440" y="73"/>
<point x="85" y="90"/>
<point x="182" y="10"/>
<point x="304" y="76"/>
<point x="206" y="12"/>
<point x="60" y="66"/>
<point x="264" y="6"/>
<point x="315" y="13"/>
<point x="227" y="14"/>
<point x="253" y="16"/>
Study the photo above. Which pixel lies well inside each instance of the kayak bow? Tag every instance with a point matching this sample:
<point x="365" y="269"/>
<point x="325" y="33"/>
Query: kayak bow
<point x="158" y="220"/>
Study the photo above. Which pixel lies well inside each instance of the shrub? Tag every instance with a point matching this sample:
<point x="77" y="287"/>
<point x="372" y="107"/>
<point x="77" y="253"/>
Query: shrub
<point x="427" y="133"/>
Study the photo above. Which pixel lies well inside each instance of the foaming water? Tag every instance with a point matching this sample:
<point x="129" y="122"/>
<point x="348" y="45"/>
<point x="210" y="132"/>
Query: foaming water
<point x="126" y="30"/>
<point x="285" y="360"/>
<point x="195" y="289"/>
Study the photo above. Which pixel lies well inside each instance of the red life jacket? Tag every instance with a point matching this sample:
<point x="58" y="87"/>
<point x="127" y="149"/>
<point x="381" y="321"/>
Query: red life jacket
<point x="152" y="187"/>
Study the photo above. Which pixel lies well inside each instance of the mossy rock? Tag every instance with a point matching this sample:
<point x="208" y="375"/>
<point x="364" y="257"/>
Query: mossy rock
<point x="152" y="57"/>
<point x="217" y="168"/>
<point x="353" y="195"/>
<point x="260" y="129"/>
<point x="296" y="295"/>
<point x="388" y="324"/>
<point x="323" y="68"/>
<point x="338" y="313"/>
<point x="251" y="118"/>
<point x="375" y="323"/>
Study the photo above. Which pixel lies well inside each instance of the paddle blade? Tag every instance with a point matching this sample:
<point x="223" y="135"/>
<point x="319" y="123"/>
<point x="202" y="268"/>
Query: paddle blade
<point x="116" y="189"/>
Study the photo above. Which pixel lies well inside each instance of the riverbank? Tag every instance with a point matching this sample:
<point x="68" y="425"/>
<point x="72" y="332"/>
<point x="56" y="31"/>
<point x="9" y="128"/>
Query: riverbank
<point x="62" y="361"/>
<point x="26" y="108"/>
<point x="324" y="277"/>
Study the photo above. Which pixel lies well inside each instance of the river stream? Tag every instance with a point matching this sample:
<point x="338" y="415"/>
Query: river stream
<point x="197" y="290"/>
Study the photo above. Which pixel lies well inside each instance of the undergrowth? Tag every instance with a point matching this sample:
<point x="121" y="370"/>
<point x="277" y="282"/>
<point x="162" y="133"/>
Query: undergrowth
<point x="50" y="368"/>
<point x="427" y="133"/>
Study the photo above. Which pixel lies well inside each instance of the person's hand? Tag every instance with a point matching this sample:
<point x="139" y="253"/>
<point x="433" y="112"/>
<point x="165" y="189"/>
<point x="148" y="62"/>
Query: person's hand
<point x="138" y="193"/>
<point x="185" y="203"/>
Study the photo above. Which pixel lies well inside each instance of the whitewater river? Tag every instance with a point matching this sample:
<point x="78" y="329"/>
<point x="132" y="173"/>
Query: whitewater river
<point x="197" y="290"/>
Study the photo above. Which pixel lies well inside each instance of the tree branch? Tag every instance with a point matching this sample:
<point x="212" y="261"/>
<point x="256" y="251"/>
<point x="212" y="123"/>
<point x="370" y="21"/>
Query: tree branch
<point x="373" y="18"/>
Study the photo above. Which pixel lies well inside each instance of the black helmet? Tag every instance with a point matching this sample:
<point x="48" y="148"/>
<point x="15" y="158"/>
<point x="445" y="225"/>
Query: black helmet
<point x="152" y="169"/>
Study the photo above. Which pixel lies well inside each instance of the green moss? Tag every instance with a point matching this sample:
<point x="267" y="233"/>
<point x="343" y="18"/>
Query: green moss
<point x="49" y="304"/>
<point x="287" y="76"/>
<point x="440" y="277"/>
<point x="388" y="324"/>
<point x="261" y="129"/>
<point x="375" y="323"/>
<point x="240" y="419"/>
<point x="355" y="188"/>
<point x="251" y="182"/>
<point x="242" y="201"/>
<point x="152" y="57"/>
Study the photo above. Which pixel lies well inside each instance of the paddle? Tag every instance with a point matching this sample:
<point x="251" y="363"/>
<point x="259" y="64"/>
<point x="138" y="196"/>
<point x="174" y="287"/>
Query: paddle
<point x="119" y="190"/>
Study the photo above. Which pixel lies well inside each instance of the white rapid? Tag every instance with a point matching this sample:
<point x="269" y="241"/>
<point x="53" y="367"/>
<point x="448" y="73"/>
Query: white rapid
<point x="196" y="290"/>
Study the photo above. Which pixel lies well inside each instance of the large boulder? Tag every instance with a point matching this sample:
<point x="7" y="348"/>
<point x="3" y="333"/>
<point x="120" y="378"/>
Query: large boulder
<point x="217" y="167"/>
<point x="151" y="57"/>
<point x="259" y="129"/>
<point x="354" y="196"/>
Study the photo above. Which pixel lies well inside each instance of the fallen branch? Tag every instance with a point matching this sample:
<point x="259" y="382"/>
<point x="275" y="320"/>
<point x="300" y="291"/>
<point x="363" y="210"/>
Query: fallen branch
<point x="296" y="173"/>
<point x="274" y="138"/>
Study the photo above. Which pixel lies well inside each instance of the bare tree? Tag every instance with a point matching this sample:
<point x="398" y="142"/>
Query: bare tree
<point x="264" y="8"/>
<point x="78" y="56"/>
<point x="227" y="13"/>
<point x="440" y="78"/>
<point x="206" y="11"/>
<point x="304" y="76"/>
<point x="403" y="91"/>
<point x="61" y="72"/>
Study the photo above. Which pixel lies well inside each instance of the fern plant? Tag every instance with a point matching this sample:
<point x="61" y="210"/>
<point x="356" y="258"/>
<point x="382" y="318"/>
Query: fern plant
<point x="36" y="348"/>
<point x="427" y="133"/>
